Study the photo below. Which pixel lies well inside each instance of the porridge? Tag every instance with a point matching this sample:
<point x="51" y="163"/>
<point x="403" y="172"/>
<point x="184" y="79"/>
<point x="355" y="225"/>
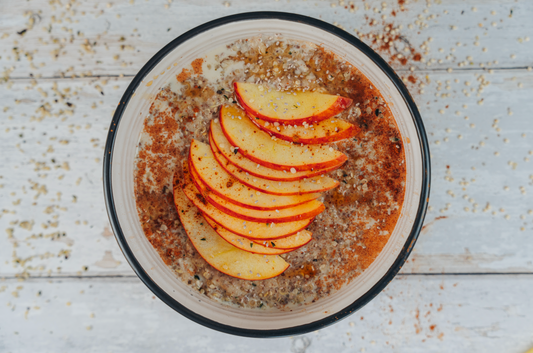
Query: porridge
<point x="358" y="214"/>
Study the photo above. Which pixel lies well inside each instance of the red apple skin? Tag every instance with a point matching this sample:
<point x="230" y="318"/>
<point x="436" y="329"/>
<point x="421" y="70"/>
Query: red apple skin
<point x="198" y="203"/>
<point x="338" y="106"/>
<point x="251" y="171"/>
<point x="217" y="229"/>
<point x="206" y="191"/>
<point x="204" y="185"/>
<point x="307" y="215"/>
<point x="345" y="134"/>
<point x="221" y="269"/>
<point x="247" y="236"/>
<point x="203" y="190"/>
<point x="224" y="164"/>
<point x="206" y="260"/>
<point x="334" y="163"/>
<point x="290" y="249"/>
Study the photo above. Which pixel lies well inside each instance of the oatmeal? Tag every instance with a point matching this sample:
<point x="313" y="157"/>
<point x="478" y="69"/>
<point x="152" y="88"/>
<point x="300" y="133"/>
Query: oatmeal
<point x="360" y="214"/>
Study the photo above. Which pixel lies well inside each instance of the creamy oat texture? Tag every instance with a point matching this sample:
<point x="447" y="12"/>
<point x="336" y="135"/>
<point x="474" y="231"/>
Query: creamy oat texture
<point x="360" y="214"/>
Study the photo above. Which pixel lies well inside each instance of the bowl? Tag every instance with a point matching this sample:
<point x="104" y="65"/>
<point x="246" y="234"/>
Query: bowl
<point x="119" y="171"/>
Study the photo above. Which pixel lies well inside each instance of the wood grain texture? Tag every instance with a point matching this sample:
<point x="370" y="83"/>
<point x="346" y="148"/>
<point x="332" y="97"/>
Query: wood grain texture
<point x="135" y="37"/>
<point x="480" y="217"/>
<point x="57" y="155"/>
<point x="414" y="314"/>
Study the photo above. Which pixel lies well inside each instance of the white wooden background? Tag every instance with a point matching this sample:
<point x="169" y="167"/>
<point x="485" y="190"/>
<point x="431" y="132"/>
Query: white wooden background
<point x="64" y="284"/>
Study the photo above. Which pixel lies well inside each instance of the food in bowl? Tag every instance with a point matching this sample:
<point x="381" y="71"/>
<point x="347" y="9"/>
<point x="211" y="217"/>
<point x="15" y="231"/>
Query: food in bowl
<point x="360" y="164"/>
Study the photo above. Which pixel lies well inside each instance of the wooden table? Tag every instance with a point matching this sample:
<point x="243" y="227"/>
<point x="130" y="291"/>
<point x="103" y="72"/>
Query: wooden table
<point x="65" y="286"/>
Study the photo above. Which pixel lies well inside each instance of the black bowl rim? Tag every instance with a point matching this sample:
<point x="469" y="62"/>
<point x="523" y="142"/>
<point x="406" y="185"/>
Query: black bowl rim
<point x="296" y="330"/>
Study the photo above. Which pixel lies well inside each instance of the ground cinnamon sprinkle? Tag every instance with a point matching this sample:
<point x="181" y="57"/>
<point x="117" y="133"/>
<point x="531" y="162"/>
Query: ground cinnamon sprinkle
<point x="360" y="214"/>
<point x="197" y="66"/>
<point x="388" y="41"/>
<point x="184" y="75"/>
<point x="393" y="41"/>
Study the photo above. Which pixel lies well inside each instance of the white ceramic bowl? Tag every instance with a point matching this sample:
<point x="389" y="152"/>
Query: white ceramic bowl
<point x="119" y="163"/>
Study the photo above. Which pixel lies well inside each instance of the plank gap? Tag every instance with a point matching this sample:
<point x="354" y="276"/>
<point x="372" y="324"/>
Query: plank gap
<point x="420" y="274"/>
<point x="403" y="71"/>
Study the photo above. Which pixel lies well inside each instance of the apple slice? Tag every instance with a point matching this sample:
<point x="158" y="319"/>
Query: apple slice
<point x="248" y="229"/>
<point x="307" y="210"/>
<point x="221" y="183"/>
<point x="245" y="243"/>
<point x="292" y="242"/>
<point x="219" y="253"/>
<point x="292" y="107"/>
<point x="299" y="187"/>
<point x="219" y="143"/>
<point x="329" y="130"/>
<point x="262" y="148"/>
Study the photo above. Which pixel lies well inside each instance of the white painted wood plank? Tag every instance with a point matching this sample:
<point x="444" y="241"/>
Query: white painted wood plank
<point x="464" y="241"/>
<point x="481" y="210"/>
<point x="414" y="314"/>
<point x="146" y="26"/>
<point x="71" y="147"/>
